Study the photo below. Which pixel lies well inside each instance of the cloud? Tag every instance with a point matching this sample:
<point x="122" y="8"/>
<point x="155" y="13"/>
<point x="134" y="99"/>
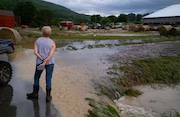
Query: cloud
<point x="114" y="7"/>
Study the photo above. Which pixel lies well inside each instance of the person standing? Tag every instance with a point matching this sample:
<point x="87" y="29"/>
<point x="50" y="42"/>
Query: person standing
<point x="44" y="48"/>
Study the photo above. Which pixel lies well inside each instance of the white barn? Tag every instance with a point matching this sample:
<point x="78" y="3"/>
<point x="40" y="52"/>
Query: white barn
<point x="168" y="15"/>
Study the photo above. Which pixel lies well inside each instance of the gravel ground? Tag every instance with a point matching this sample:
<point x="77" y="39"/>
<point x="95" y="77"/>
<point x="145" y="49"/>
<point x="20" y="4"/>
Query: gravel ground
<point x="141" y="51"/>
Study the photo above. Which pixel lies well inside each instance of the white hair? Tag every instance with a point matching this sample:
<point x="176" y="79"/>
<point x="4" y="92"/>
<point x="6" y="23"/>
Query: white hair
<point x="46" y="31"/>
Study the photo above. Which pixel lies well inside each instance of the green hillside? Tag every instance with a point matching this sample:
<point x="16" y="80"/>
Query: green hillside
<point x="59" y="11"/>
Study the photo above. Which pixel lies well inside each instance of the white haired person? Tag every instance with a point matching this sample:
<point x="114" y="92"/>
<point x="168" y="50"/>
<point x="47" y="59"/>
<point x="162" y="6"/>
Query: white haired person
<point x="44" y="48"/>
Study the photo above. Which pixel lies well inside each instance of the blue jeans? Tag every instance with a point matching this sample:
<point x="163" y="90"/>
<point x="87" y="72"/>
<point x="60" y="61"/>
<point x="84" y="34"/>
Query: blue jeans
<point x="49" y="71"/>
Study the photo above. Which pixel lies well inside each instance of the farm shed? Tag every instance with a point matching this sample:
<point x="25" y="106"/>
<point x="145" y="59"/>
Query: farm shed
<point x="67" y="24"/>
<point x="7" y="19"/>
<point x="168" y="15"/>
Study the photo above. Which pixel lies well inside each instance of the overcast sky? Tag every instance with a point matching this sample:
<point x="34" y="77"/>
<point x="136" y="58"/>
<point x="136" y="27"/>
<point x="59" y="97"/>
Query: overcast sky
<point x="114" y="7"/>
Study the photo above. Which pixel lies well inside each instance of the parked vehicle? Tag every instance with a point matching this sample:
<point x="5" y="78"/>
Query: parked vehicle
<point x="6" y="47"/>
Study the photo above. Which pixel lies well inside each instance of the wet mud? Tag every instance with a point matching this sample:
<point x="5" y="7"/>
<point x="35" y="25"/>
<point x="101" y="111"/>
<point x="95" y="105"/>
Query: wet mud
<point x="72" y="81"/>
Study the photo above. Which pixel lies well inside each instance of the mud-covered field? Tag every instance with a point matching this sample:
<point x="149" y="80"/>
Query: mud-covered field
<point x="76" y="73"/>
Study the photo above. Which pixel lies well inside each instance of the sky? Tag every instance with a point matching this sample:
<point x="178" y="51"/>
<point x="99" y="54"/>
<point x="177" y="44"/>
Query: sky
<point x="114" y="7"/>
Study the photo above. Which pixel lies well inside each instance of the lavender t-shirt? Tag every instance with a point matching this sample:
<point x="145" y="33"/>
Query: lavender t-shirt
<point x="44" y="46"/>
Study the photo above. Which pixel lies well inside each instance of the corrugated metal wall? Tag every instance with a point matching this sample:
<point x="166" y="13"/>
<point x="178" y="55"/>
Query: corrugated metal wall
<point x="163" y="20"/>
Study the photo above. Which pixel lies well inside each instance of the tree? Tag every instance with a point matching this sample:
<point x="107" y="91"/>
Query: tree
<point x="42" y="17"/>
<point x="26" y="10"/>
<point x="1" y="5"/>
<point x="112" y="18"/>
<point x="132" y="17"/>
<point x="96" y="18"/>
<point x="139" y="18"/>
<point x="105" y="21"/>
<point x="122" y="18"/>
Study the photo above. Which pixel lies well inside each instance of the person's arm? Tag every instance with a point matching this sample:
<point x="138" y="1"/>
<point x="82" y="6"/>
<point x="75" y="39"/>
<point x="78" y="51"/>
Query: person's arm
<point x="36" y="52"/>
<point x="46" y="60"/>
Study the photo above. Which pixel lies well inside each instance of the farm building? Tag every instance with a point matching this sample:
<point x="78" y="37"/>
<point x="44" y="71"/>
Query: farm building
<point x="67" y="24"/>
<point x="168" y="15"/>
<point x="7" y="19"/>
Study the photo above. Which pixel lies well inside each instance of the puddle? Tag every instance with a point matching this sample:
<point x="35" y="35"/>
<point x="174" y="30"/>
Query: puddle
<point x="84" y="44"/>
<point x="162" y="99"/>
<point x="155" y="101"/>
<point x="75" y="72"/>
<point x="13" y="101"/>
<point x="99" y="44"/>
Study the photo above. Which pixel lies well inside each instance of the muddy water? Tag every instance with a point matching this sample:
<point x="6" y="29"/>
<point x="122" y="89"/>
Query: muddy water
<point x="74" y="77"/>
<point x="154" y="102"/>
<point x="21" y="84"/>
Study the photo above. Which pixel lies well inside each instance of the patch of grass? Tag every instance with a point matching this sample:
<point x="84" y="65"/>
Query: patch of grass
<point x="72" y="48"/>
<point x="163" y="70"/>
<point x="171" y="113"/>
<point x="63" y="37"/>
<point x="113" y="92"/>
<point x="132" y="92"/>
<point x="79" y="35"/>
<point x="155" y="70"/>
<point x="101" y="109"/>
<point x="90" y="46"/>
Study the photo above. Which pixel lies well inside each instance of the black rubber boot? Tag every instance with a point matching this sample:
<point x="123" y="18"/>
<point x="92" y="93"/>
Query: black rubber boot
<point x="48" y="95"/>
<point x="34" y="94"/>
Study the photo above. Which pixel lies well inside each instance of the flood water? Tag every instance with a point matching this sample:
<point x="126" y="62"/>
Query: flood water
<point x="74" y="76"/>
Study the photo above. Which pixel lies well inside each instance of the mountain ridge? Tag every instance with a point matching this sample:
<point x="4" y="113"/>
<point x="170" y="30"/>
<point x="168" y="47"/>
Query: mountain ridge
<point x="59" y="11"/>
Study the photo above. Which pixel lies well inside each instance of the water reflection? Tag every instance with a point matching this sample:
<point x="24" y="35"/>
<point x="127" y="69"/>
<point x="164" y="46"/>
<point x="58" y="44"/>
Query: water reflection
<point x="30" y="108"/>
<point x="37" y="110"/>
<point x="13" y="99"/>
<point x="84" y="44"/>
<point x="35" y="107"/>
<point x="6" y="94"/>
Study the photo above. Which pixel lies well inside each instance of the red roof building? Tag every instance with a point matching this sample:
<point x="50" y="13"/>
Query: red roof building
<point x="67" y="24"/>
<point x="7" y="19"/>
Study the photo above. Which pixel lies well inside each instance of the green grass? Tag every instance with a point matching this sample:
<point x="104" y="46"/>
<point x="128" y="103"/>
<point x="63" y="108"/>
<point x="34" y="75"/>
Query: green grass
<point x="101" y="109"/>
<point x="83" y="35"/>
<point x="155" y="70"/>
<point x="171" y="113"/>
<point x="163" y="70"/>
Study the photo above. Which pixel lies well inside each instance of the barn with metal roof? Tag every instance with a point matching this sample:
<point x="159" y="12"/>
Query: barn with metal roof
<point x="168" y="15"/>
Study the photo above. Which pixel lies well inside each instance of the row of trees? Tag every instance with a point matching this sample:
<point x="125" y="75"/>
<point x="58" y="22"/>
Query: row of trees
<point x="34" y="17"/>
<point x="29" y="15"/>
<point x="132" y="18"/>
